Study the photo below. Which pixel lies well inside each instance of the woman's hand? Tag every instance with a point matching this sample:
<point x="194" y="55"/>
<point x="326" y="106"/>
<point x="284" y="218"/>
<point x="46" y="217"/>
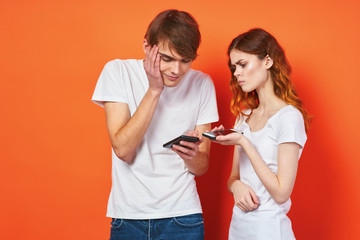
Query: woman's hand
<point x="219" y="128"/>
<point x="235" y="138"/>
<point x="244" y="197"/>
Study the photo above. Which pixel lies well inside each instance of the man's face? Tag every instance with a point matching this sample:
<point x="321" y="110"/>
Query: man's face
<point x="172" y="66"/>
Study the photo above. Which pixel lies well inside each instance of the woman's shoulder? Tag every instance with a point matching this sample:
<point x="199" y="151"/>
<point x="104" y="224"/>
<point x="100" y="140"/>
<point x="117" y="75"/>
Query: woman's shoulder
<point x="289" y="111"/>
<point x="290" y="126"/>
<point x="287" y="116"/>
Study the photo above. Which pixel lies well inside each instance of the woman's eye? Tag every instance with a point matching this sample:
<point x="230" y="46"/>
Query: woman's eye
<point x="242" y="65"/>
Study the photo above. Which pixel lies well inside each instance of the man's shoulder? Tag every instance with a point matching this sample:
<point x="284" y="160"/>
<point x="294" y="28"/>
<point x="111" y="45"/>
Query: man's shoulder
<point x="125" y="66"/>
<point x="198" y="74"/>
<point x="198" y="77"/>
<point x="123" y="62"/>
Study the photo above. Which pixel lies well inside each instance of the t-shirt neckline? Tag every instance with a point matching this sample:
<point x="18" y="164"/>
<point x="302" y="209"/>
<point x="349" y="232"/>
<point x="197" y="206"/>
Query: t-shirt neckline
<point x="267" y="122"/>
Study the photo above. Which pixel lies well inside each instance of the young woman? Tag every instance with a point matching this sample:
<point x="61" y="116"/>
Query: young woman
<point x="273" y="123"/>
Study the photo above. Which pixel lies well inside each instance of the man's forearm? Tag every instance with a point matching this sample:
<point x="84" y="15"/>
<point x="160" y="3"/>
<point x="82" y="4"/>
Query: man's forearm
<point x="199" y="164"/>
<point x="126" y="139"/>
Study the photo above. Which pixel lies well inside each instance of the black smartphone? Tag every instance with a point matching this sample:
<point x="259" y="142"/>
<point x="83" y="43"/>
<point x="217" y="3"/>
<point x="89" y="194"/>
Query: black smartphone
<point x="177" y="140"/>
<point x="213" y="135"/>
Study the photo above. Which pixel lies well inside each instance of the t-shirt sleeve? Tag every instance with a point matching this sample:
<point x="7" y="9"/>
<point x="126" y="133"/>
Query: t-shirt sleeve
<point x="208" y="111"/>
<point x="110" y="85"/>
<point x="292" y="128"/>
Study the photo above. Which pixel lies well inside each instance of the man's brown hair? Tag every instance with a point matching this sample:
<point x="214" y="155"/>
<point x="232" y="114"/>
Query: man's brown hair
<point x="178" y="29"/>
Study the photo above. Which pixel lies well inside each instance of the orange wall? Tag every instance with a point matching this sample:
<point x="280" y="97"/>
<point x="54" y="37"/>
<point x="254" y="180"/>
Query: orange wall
<point x="55" y="154"/>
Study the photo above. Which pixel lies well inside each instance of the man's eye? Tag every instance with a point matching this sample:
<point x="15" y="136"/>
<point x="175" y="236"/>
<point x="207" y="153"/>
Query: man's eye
<point x="186" y="60"/>
<point x="166" y="59"/>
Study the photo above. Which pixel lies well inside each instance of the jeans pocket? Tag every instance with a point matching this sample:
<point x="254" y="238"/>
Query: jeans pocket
<point x="189" y="220"/>
<point x="116" y="223"/>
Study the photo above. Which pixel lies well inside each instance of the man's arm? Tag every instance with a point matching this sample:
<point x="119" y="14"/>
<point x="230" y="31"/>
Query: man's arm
<point x="127" y="132"/>
<point x="196" y="156"/>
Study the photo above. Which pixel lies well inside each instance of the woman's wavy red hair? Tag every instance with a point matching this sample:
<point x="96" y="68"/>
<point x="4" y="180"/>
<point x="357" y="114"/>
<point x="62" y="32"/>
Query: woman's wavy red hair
<point x="261" y="43"/>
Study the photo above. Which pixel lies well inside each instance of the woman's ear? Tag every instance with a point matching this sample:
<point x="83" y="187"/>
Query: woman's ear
<point x="268" y="62"/>
<point x="145" y="45"/>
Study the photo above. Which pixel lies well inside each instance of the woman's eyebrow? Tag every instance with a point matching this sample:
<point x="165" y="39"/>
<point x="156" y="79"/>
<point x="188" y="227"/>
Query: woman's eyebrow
<point x="239" y="61"/>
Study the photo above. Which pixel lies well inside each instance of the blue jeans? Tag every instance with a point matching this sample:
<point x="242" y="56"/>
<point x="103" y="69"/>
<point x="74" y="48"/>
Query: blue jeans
<point x="189" y="227"/>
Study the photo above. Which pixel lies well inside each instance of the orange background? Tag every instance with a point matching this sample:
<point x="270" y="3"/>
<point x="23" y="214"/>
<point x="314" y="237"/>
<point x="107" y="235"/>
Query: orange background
<point x="55" y="153"/>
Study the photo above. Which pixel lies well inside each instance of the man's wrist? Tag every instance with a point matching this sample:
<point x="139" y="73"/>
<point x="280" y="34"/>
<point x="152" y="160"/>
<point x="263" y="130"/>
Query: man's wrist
<point x="155" y="92"/>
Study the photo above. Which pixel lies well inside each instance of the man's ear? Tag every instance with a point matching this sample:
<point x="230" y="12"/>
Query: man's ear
<point x="268" y="62"/>
<point x="146" y="45"/>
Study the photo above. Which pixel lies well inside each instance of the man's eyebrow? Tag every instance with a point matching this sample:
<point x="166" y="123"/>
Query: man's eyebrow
<point x="166" y="56"/>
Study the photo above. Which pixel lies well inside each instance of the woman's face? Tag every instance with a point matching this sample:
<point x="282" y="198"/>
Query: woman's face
<point x="250" y="71"/>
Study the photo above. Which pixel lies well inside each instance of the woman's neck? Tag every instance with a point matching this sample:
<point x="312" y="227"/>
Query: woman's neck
<point x="268" y="101"/>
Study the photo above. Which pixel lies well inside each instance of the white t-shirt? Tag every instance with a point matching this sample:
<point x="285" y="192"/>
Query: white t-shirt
<point x="269" y="220"/>
<point x="157" y="184"/>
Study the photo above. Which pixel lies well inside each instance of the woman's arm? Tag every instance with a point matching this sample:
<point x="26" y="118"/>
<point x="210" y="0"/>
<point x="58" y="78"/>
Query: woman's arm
<point x="279" y="185"/>
<point x="244" y="197"/>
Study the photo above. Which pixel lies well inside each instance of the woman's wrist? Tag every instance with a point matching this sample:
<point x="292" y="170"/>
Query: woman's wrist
<point x="233" y="185"/>
<point x="241" y="141"/>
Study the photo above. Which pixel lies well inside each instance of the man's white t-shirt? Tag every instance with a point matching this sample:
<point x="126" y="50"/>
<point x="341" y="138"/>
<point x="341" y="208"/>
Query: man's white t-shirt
<point x="157" y="184"/>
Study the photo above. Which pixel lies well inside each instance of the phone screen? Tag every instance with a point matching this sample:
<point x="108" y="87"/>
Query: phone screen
<point x="214" y="134"/>
<point x="224" y="132"/>
<point x="177" y="140"/>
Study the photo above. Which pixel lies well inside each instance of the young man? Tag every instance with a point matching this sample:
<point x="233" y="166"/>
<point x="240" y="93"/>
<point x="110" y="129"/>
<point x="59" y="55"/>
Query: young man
<point x="147" y="103"/>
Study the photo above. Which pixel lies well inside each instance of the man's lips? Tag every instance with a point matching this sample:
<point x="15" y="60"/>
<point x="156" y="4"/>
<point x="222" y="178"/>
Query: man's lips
<point x="173" y="78"/>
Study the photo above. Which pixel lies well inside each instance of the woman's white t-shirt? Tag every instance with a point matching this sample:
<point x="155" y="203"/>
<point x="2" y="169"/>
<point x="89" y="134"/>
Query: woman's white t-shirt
<point x="269" y="220"/>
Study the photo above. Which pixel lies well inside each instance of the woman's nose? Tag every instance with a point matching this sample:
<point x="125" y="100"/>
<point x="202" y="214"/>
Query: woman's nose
<point x="237" y="72"/>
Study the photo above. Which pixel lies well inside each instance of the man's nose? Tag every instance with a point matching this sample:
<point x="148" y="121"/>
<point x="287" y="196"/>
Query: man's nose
<point x="175" y="67"/>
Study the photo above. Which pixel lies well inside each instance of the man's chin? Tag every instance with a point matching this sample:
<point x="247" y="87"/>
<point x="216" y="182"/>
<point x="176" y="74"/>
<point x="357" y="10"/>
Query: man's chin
<point x="170" y="83"/>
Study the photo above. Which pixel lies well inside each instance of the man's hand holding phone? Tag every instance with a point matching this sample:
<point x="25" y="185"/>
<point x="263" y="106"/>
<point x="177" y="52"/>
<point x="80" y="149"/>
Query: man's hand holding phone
<point x="186" y="146"/>
<point x="176" y="141"/>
